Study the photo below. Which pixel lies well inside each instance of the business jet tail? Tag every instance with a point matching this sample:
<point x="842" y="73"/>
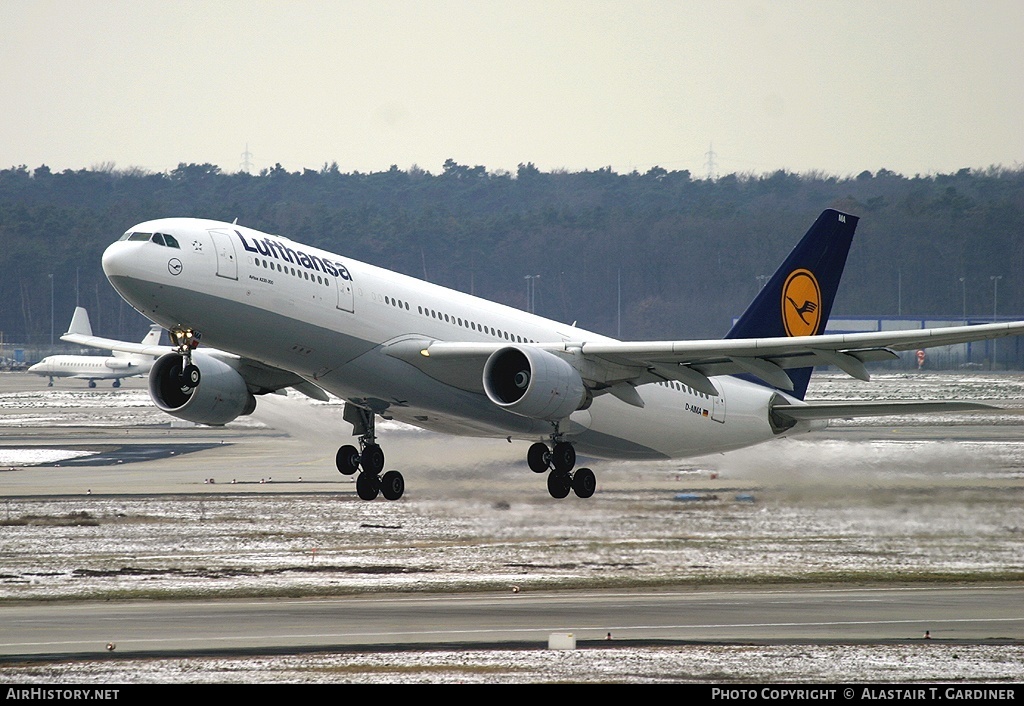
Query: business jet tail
<point x="797" y="300"/>
<point x="80" y="325"/>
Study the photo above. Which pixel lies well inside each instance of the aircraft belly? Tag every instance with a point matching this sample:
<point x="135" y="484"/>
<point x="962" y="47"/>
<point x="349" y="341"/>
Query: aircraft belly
<point x="416" y="398"/>
<point x="673" y="424"/>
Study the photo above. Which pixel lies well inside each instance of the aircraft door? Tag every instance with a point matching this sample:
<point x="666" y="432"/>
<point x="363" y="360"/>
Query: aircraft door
<point x="346" y="294"/>
<point x="718" y="408"/>
<point x="227" y="264"/>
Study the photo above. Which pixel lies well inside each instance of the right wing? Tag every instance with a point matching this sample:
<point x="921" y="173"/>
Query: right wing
<point x="259" y="377"/>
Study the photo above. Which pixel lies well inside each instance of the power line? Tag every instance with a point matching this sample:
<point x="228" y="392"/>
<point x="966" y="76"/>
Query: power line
<point x="710" y="154"/>
<point x="246" y="159"/>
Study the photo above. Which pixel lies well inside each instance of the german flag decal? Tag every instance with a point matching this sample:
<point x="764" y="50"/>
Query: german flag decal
<point x="801" y="304"/>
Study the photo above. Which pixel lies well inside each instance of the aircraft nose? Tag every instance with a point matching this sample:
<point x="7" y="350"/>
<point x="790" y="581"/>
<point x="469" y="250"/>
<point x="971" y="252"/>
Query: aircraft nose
<point x="116" y="260"/>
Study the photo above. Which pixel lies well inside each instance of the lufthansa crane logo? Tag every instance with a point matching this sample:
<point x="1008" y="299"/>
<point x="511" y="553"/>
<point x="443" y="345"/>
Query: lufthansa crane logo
<point x="801" y="304"/>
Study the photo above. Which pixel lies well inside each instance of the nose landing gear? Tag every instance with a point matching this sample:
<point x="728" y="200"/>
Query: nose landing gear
<point x="185" y="341"/>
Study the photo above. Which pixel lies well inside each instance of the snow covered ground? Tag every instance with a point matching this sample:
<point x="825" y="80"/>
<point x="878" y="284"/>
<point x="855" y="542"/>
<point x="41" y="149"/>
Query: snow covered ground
<point x="869" y="501"/>
<point x="722" y="664"/>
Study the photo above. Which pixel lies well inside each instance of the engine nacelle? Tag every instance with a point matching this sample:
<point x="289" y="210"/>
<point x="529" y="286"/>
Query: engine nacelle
<point x="533" y="383"/>
<point x="220" y="396"/>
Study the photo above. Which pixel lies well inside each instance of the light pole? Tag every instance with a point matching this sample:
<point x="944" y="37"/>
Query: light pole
<point x="963" y="285"/>
<point x="995" y="308"/>
<point x="51" y="312"/>
<point x="531" y="291"/>
<point x="899" y="292"/>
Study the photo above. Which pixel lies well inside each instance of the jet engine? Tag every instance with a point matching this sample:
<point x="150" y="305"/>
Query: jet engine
<point x="534" y="383"/>
<point x="220" y="396"/>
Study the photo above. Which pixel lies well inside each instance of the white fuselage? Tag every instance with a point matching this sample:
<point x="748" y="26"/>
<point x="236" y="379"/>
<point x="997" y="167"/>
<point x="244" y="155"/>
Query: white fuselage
<point x="327" y="318"/>
<point x="92" y="367"/>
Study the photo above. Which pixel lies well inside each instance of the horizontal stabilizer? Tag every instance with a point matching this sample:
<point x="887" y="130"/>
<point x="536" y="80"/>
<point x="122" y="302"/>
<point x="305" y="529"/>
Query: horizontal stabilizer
<point x="849" y="410"/>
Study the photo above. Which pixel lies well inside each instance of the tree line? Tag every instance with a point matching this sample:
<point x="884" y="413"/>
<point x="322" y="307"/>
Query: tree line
<point x="653" y="255"/>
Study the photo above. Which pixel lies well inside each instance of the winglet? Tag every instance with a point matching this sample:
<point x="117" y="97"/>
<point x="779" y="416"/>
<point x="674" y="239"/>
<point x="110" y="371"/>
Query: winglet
<point x="80" y="322"/>
<point x="798" y="298"/>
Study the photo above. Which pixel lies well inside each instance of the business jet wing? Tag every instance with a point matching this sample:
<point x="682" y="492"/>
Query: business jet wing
<point x="261" y="378"/>
<point x="80" y="332"/>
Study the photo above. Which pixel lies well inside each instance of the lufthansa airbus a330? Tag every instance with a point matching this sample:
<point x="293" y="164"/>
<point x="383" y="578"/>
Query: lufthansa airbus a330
<point x="280" y="314"/>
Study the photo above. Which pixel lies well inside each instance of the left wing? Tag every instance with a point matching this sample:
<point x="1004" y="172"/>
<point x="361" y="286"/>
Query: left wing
<point x="606" y="365"/>
<point x="767" y="358"/>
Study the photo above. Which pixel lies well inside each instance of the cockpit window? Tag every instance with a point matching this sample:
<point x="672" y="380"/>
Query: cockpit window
<point x="163" y="239"/>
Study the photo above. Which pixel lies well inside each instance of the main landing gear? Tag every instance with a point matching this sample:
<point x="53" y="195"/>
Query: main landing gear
<point x="185" y="341"/>
<point x="559" y="459"/>
<point x="370" y="458"/>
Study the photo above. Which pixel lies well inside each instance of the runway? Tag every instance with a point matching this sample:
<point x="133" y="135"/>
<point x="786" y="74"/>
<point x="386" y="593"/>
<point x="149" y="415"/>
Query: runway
<point x="780" y="615"/>
<point x="864" y="535"/>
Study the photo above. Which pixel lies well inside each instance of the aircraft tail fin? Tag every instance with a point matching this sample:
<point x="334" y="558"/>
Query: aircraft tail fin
<point x="153" y="337"/>
<point x="797" y="300"/>
<point x="80" y="322"/>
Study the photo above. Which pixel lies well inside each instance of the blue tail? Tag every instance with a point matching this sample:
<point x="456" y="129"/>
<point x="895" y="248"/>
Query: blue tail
<point x="798" y="298"/>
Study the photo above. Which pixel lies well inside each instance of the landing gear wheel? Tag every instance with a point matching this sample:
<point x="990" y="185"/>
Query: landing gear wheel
<point x="563" y="457"/>
<point x="584" y="483"/>
<point x="92" y="383"/>
<point x="347" y="460"/>
<point x="117" y="383"/>
<point x="367" y="486"/>
<point x="538" y="458"/>
<point x="392" y="485"/>
<point x="372" y="459"/>
<point x="190" y="376"/>
<point x="559" y="484"/>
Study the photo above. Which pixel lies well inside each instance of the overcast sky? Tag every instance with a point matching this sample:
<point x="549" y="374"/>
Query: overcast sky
<point x="840" y="86"/>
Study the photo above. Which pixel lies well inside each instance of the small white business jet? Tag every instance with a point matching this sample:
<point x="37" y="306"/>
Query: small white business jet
<point x="120" y="364"/>
<point x="282" y="314"/>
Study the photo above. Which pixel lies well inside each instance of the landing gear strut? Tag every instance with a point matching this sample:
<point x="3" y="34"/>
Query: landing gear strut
<point x="558" y="461"/>
<point x="185" y="341"/>
<point x="369" y="457"/>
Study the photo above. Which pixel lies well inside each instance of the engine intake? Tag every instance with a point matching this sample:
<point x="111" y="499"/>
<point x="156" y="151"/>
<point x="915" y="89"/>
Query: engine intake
<point x="220" y="397"/>
<point x="533" y="383"/>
